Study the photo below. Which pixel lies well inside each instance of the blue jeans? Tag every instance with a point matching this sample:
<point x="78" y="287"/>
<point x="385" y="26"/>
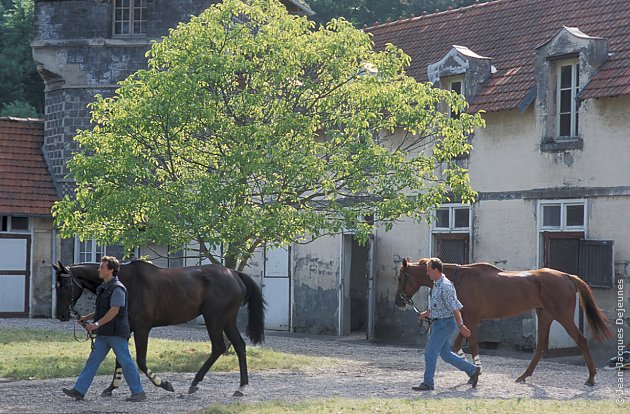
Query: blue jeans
<point x="102" y="345"/>
<point x="440" y="344"/>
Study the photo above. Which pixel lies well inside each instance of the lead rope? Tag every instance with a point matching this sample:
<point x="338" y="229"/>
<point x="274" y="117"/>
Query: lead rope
<point x="88" y="335"/>
<point x="422" y="321"/>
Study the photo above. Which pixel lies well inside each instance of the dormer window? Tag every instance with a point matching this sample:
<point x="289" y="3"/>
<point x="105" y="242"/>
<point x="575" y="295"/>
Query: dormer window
<point x="130" y="17"/>
<point x="564" y="66"/>
<point x="567" y="88"/>
<point x="460" y="70"/>
<point x="455" y="84"/>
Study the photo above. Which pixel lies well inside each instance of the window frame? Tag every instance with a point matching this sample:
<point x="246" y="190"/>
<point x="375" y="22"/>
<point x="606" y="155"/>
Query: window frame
<point x="9" y="224"/>
<point x="451" y="219"/>
<point x="575" y="89"/>
<point x="132" y="18"/>
<point x="563" y="227"/>
<point x="449" y="86"/>
<point x="93" y="252"/>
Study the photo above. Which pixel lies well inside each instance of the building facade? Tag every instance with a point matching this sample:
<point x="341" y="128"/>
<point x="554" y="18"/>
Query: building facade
<point x="26" y="232"/>
<point x="550" y="168"/>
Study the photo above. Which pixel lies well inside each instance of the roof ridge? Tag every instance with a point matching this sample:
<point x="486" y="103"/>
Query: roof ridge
<point x="22" y="120"/>
<point x="426" y="15"/>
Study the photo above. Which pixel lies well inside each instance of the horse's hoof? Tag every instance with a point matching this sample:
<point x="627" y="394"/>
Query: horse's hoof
<point x="242" y="391"/>
<point x="106" y="393"/>
<point x="520" y="380"/>
<point x="167" y="386"/>
<point x="590" y="383"/>
<point x="193" y="389"/>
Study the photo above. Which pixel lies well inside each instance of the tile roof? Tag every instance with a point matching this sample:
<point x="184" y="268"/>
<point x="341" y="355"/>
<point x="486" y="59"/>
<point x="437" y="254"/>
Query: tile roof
<point x="509" y="31"/>
<point x="26" y="187"/>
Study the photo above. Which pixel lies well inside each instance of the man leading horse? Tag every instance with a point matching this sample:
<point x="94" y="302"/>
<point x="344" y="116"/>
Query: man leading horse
<point x="444" y="312"/>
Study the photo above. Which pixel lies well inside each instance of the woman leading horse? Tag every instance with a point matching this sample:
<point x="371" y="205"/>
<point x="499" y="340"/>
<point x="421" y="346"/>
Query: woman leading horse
<point x="487" y="293"/>
<point x="161" y="297"/>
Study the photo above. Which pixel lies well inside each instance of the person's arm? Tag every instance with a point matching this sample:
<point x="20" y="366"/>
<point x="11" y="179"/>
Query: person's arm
<point x="463" y="329"/>
<point x="111" y="314"/>
<point x="87" y="317"/>
<point x="426" y="314"/>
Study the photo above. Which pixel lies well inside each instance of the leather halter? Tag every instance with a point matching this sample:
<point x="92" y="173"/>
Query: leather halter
<point x="73" y="312"/>
<point x="409" y="301"/>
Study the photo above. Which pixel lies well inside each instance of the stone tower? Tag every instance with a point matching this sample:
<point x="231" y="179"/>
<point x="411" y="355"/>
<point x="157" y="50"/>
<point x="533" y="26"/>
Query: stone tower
<point x="83" y="48"/>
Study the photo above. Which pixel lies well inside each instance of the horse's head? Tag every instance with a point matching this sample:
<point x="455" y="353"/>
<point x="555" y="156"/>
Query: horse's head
<point x="410" y="277"/>
<point x="69" y="290"/>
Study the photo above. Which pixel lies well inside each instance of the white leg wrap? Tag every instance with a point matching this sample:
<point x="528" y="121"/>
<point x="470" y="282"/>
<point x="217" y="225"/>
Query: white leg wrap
<point x="461" y="354"/>
<point x="477" y="361"/>
<point x="117" y="378"/>
<point x="153" y="377"/>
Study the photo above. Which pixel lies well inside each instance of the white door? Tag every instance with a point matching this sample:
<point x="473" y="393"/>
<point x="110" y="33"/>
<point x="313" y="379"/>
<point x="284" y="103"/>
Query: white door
<point x="276" y="288"/>
<point x="14" y="275"/>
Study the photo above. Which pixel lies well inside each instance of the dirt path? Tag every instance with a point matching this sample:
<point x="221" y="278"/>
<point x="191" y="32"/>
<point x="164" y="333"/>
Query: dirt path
<point x="364" y="370"/>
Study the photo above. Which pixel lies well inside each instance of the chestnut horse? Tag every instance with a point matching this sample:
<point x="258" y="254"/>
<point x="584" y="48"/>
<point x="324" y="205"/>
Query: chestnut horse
<point x="161" y="297"/>
<point x="487" y="293"/>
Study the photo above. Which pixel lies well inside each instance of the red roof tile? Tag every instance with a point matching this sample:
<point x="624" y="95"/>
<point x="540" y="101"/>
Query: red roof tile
<point x="509" y="31"/>
<point x="26" y="187"/>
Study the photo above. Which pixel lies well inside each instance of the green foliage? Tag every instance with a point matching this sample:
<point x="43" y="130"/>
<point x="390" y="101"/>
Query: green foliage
<point x="19" y="109"/>
<point x="19" y="80"/>
<point x="251" y="127"/>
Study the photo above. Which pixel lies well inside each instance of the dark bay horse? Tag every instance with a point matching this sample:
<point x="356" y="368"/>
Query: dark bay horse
<point x="161" y="297"/>
<point x="487" y="293"/>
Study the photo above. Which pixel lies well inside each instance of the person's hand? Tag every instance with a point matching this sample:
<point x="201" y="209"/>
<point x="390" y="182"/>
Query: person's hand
<point x="464" y="331"/>
<point x="424" y="315"/>
<point x="90" y="327"/>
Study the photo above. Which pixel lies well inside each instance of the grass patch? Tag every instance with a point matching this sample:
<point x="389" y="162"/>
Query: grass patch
<point x="37" y="354"/>
<point x="403" y="406"/>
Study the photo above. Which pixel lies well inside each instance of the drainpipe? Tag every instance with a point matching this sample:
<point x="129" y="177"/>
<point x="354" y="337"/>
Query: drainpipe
<point x="53" y="290"/>
<point x="371" y="286"/>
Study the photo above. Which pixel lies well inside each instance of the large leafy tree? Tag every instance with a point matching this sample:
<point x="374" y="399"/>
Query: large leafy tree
<point x="21" y="87"/>
<point x="249" y="127"/>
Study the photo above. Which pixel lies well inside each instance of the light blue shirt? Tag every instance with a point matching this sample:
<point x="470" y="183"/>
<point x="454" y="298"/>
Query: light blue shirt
<point x="443" y="299"/>
<point x="118" y="298"/>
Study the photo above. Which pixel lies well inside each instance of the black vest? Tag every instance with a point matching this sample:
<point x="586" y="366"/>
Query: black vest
<point x="119" y="326"/>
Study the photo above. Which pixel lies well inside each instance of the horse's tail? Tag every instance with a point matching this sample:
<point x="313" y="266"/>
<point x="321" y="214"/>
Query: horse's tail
<point x="256" y="308"/>
<point x="597" y="320"/>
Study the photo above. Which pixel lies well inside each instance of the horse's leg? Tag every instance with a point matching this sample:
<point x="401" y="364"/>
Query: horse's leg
<point x="569" y="325"/>
<point x="457" y="346"/>
<point x="544" y="324"/>
<point x="236" y="339"/>
<point x="215" y="331"/>
<point x="141" y="337"/>
<point x="107" y="392"/>
<point x="473" y="341"/>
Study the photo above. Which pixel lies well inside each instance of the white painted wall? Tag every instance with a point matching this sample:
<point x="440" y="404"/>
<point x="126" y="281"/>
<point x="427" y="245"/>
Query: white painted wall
<point x="505" y="233"/>
<point x="507" y="156"/>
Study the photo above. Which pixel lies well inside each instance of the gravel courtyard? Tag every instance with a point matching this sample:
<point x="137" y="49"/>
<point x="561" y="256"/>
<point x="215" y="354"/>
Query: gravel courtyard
<point x="365" y="370"/>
